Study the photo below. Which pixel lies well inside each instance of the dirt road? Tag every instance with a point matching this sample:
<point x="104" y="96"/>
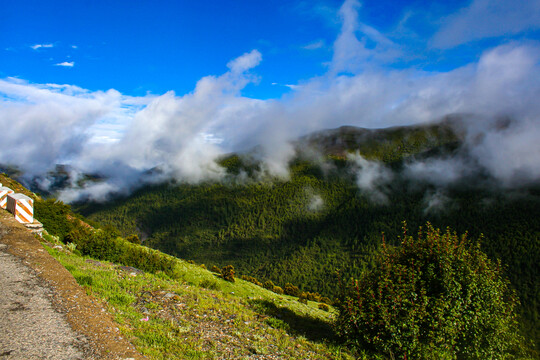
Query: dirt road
<point x="44" y="313"/>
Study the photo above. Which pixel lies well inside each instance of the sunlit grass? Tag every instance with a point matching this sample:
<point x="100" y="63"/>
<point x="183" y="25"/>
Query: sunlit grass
<point x="194" y="314"/>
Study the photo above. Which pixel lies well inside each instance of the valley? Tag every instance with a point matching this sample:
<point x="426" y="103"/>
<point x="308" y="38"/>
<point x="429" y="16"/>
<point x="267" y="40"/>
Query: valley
<point x="326" y="222"/>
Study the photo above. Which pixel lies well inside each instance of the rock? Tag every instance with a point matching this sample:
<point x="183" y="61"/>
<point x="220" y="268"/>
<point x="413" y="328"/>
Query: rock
<point x="131" y="270"/>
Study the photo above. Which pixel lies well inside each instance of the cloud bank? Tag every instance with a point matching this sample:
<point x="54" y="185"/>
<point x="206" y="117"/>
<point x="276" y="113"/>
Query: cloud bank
<point x="180" y="136"/>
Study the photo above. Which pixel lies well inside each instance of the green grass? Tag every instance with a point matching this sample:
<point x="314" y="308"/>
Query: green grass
<point x="194" y="314"/>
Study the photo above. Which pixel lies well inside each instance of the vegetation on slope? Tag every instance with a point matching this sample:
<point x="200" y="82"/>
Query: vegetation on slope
<point x="304" y="229"/>
<point x="436" y="296"/>
<point x="14" y="185"/>
<point x="195" y="314"/>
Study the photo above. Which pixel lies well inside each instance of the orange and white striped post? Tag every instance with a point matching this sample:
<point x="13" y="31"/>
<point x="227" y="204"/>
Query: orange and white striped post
<point x="22" y="207"/>
<point x="4" y="191"/>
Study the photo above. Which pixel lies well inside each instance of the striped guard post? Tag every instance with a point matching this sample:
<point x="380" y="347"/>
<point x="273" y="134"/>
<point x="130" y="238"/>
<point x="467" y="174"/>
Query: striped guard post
<point x="4" y="191"/>
<point x="22" y="207"/>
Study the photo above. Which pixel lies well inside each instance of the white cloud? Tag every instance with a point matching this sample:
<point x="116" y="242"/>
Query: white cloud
<point x="245" y="62"/>
<point x="314" y="45"/>
<point x="440" y="172"/>
<point x="437" y="202"/>
<point x="352" y="54"/>
<point x="487" y="18"/>
<point x="182" y="135"/>
<point x="292" y="86"/>
<point x="316" y="203"/>
<point x="371" y="178"/>
<point x="66" y="64"/>
<point x="39" y="46"/>
<point x="47" y="124"/>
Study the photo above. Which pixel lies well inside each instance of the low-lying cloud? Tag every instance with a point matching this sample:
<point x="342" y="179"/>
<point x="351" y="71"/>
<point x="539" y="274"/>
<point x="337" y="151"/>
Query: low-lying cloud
<point x="180" y="136"/>
<point x="372" y="177"/>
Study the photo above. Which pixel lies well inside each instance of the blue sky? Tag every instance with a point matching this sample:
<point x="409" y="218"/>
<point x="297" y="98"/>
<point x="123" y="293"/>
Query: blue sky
<point x="118" y="87"/>
<point x="138" y="47"/>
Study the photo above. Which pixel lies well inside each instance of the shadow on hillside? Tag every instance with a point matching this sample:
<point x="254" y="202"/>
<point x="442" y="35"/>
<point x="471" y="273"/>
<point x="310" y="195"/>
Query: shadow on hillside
<point x="295" y="324"/>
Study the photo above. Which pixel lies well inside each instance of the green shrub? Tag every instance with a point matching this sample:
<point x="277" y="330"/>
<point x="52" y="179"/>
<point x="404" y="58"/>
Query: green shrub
<point x="202" y="266"/>
<point x="54" y="215"/>
<point x="251" y="279"/>
<point x="313" y="296"/>
<point x="326" y="300"/>
<point x="209" y="284"/>
<point x="103" y="245"/>
<point x="269" y="285"/>
<point x="215" y="269"/>
<point x="292" y="290"/>
<point x="278" y="290"/>
<point x="71" y="247"/>
<point x="437" y="296"/>
<point x="78" y="235"/>
<point x="134" y="239"/>
<point x="324" y="307"/>
<point x="227" y="273"/>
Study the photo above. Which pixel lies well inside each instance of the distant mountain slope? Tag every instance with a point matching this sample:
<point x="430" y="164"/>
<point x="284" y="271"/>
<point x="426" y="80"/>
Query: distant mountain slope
<point x="387" y="144"/>
<point x="329" y="216"/>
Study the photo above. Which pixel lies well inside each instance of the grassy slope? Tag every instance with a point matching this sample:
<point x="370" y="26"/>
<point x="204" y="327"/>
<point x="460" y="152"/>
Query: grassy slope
<point x="266" y="230"/>
<point x="197" y="315"/>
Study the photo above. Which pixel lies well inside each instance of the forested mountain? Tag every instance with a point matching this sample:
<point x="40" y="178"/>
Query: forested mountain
<point x="335" y="209"/>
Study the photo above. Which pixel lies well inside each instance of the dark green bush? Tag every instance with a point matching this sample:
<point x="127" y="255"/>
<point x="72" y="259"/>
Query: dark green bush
<point x="134" y="239"/>
<point x="78" y="235"/>
<point x="215" y="269"/>
<point x="269" y="285"/>
<point x="278" y="290"/>
<point x="251" y="279"/>
<point x="313" y="296"/>
<point x="292" y="290"/>
<point x="103" y="245"/>
<point x="324" y="307"/>
<point x="227" y="273"/>
<point x="434" y="297"/>
<point x="209" y="284"/>
<point x="54" y="215"/>
<point x="326" y="300"/>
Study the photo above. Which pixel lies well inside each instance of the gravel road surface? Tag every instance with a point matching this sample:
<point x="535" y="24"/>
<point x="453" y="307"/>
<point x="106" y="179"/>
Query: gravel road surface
<point x="30" y="327"/>
<point x="44" y="313"/>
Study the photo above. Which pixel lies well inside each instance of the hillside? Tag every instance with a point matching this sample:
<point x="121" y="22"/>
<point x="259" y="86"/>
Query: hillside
<point x="324" y="219"/>
<point x="192" y="313"/>
<point x="171" y="309"/>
